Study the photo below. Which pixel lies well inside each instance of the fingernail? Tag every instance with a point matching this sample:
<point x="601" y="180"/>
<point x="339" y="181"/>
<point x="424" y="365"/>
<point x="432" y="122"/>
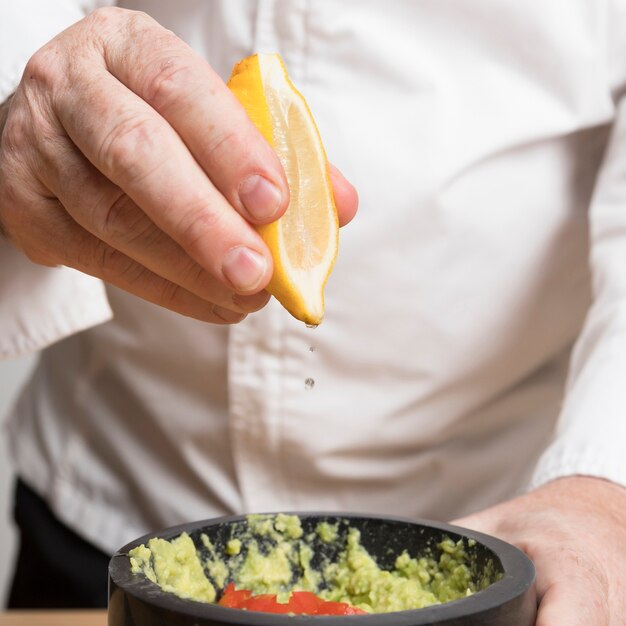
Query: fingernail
<point x="260" y="197"/>
<point x="244" y="268"/>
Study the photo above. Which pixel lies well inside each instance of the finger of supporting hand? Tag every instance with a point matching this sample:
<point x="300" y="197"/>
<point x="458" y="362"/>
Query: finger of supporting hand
<point x="135" y="148"/>
<point x="108" y="213"/>
<point x="188" y="93"/>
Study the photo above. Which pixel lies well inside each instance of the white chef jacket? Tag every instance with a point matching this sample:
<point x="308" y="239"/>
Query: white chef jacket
<point x="474" y="343"/>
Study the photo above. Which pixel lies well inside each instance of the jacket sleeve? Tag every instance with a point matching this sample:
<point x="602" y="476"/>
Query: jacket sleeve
<point x="591" y="433"/>
<point x="40" y="305"/>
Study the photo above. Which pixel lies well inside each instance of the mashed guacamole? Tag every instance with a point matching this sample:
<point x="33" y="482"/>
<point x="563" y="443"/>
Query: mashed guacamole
<point x="270" y="554"/>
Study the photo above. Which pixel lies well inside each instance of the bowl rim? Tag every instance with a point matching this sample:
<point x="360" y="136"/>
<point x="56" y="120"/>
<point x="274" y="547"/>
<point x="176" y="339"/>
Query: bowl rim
<point x="503" y="591"/>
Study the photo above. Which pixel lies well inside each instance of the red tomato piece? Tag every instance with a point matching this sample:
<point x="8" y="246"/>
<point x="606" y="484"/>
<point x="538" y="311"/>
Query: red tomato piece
<point x="339" y="608"/>
<point x="234" y="598"/>
<point x="267" y="603"/>
<point x="304" y="603"/>
<point x="300" y="603"/>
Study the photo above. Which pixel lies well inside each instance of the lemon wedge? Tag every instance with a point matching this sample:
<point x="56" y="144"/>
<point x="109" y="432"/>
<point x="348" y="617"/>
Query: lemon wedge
<point x="303" y="242"/>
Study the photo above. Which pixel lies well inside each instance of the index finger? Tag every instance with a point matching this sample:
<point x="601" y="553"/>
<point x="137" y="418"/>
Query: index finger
<point x="184" y="89"/>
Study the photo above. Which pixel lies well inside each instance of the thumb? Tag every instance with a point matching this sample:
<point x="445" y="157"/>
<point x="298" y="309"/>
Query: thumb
<point x="571" y="587"/>
<point x="346" y="196"/>
<point x="572" y="601"/>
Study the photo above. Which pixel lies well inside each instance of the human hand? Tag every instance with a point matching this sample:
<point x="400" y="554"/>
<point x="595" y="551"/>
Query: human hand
<point x="574" y="530"/>
<point x="125" y="156"/>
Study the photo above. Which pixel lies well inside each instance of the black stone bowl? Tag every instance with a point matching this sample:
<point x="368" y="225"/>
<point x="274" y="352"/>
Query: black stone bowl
<point x="510" y="601"/>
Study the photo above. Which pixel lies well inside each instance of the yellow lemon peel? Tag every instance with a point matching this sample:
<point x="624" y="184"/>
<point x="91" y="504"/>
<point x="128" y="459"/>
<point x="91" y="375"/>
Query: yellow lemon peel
<point x="303" y="242"/>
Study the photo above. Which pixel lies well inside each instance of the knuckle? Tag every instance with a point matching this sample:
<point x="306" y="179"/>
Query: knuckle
<point x="122" y="152"/>
<point x="236" y="150"/>
<point x="42" y="67"/>
<point x="193" y="275"/>
<point x="114" y="28"/>
<point x="170" y="294"/>
<point x="114" y="265"/>
<point x="121" y="220"/>
<point x="200" y="228"/>
<point x="167" y="80"/>
<point x="102" y="27"/>
<point x="227" y="143"/>
<point x="138" y="21"/>
<point x="106" y="16"/>
<point x="29" y="139"/>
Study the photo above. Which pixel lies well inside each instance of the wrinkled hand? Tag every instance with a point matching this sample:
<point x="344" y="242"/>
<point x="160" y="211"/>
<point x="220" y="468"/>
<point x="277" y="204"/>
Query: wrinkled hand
<point x="574" y="530"/>
<point x="125" y="156"/>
